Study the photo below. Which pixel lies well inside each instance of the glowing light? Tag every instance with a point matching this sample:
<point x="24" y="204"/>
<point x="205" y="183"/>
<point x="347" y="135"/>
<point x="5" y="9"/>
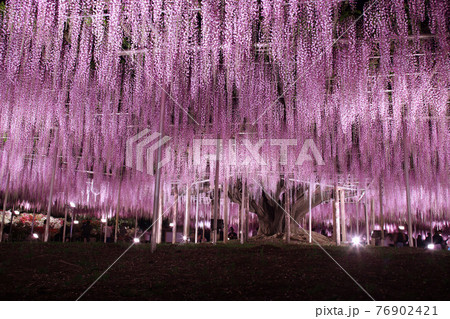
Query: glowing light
<point x="76" y="222"/>
<point x="136" y="240"/>
<point x="35" y="235"/>
<point x="430" y="246"/>
<point x="72" y="204"/>
<point x="401" y="227"/>
<point x="16" y="212"/>
<point x="171" y="224"/>
<point x="103" y="220"/>
<point x="356" y="240"/>
<point x="184" y="238"/>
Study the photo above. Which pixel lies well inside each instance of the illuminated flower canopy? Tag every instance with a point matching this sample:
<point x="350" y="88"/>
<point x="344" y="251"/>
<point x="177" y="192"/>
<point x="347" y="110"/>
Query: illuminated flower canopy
<point x="78" y="78"/>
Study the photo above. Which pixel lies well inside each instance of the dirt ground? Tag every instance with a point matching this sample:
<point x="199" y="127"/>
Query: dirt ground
<point x="255" y="271"/>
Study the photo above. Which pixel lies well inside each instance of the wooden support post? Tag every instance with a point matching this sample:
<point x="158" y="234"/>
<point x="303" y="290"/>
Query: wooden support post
<point x="5" y="201"/>
<point x="186" y="216"/>
<point x="50" y="199"/>
<point x="116" y="230"/>
<point x="225" y="211"/>
<point x="196" y="214"/>
<point x="174" y="220"/>
<point x="366" y="217"/>
<point x="381" y="210"/>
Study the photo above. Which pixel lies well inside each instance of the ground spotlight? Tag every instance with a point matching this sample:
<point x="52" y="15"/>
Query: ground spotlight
<point x="103" y="220"/>
<point x="401" y="227"/>
<point x="35" y="235"/>
<point x="16" y="212"/>
<point x="76" y="222"/>
<point x="356" y="240"/>
<point x="136" y="240"/>
<point x="430" y="246"/>
<point x="72" y="204"/>
<point x="171" y="224"/>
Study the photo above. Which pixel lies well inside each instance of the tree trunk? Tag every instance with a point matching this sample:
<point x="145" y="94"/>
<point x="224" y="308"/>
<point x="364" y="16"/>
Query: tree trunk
<point x="269" y="207"/>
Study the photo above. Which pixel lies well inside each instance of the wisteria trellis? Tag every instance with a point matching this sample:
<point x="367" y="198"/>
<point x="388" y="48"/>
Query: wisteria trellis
<point x="77" y="78"/>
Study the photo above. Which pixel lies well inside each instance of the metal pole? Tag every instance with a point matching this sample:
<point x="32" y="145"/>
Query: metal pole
<point x="49" y="207"/>
<point x="116" y="231"/>
<point x="174" y="221"/>
<point x="357" y="214"/>
<point x="287" y="216"/>
<point x="310" y="211"/>
<point x="135" y="224"/>
<point x="216" y="191"/>
<point x="65" y="224"/>
<point x="337" y="226"/>
<point x="196" y="215"/>
<point x="71" y="225"/>
<point x="5" y="201"/>
<point x="160" y="216"/>
<point x="241" y="223"/>
<point x="366" y="216"/>
<point x="381" y="210"/>
<point x="372" y="214"/>
<point x="106" y="228"/>
<point x="225" y="211"/>
<point x="158" y="172"/>
<point x="343" y="216"/>
<point x="408" y="191"/>
<point x="186" y="216"/>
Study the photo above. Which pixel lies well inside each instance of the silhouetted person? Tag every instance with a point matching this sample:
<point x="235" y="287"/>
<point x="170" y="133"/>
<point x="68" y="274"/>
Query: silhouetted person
<point x="428" y="239"/>
<point x="420" y="242"/>
<point x="400" y="239"/>
<point x="232" y="234"/>
<point x="438" y="240"/>
<point x="86" y="231"/>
